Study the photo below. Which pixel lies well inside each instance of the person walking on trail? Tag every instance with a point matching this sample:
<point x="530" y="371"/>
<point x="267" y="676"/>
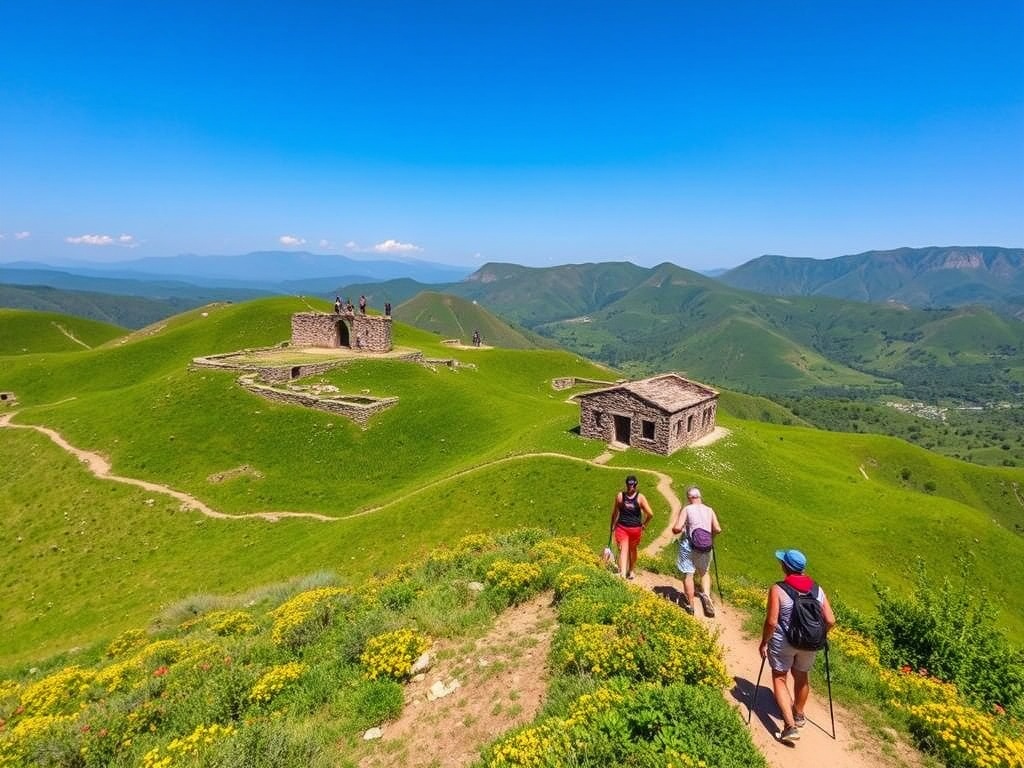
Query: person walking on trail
<point x="630" y="515"/>
<point x="775" y="643"/>
<point x="698" y="524"/>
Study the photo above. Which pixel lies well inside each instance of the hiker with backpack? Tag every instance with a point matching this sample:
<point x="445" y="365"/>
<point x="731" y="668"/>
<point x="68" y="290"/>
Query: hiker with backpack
<point x="796" y="625"/>
<point x="698" y="524"/>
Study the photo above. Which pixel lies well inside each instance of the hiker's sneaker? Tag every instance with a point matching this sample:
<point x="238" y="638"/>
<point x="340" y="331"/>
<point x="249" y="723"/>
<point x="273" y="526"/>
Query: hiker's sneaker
<point x="687" y="607"/>
<point x="789" y="734"/>
<point x="709" y="607"/>
<point x="799" y="719"/>
<point x="631" y="576"/>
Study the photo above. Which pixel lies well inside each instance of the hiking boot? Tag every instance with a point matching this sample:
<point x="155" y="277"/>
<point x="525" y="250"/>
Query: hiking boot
<point x="709" y="607"/>
<point x="687" y="607"/>
<point x="789" y="734"/>
<point x="798" y="719"/>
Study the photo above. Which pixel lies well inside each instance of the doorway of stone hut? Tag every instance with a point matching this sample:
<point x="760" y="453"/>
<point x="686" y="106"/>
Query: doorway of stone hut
<point x="343" y="336"/>
<point x="622" y="425"/>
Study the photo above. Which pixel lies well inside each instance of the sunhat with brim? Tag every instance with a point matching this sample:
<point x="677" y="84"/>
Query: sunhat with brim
<point x="793" y="559"/>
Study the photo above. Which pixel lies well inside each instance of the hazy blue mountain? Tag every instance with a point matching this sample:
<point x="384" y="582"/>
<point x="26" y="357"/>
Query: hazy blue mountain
<point x="154" y="288"/>
<point x="917" y="277"/>
<point x="264" y="269"/>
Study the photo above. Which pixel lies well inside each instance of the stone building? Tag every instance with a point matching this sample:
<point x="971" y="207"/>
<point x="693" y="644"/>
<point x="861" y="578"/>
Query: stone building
<point x="364" y="333"/>
<point x="660" y="414"/>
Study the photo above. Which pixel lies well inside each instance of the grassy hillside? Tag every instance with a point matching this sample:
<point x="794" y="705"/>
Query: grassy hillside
<point x="452" y="317"/>
<point x="26" y="332"/>
<point x="87" y="557"/>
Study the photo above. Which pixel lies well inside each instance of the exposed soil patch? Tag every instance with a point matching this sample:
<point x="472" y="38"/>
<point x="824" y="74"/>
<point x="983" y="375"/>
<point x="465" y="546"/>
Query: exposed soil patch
<point x="231" y="474"/>
<point x="502" y="684"/>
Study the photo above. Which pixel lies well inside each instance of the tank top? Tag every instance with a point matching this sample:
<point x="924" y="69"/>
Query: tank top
<point x="630" y="514"/>
<point x="802" y="584"/>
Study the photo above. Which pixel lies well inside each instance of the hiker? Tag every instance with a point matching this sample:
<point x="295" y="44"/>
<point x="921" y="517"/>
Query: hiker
<point x="630" y="515"/>
<point x="698" y="524"/>
<point x="337" y="305"/>
<point x="775" y="640"/>
<point x="362" y="305"/>
<point x="476" y="338"/>
<point x="387" y="309"/>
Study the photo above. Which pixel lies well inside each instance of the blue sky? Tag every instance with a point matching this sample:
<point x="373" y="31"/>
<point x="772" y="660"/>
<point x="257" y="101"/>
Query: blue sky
<point x="700" y="133"/>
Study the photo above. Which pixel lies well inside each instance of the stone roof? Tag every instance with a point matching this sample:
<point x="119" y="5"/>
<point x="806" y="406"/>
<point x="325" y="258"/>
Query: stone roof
<point x="670" y="392"/>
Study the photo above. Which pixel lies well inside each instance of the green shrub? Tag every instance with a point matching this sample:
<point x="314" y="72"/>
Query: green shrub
<point x="949" y="630"/>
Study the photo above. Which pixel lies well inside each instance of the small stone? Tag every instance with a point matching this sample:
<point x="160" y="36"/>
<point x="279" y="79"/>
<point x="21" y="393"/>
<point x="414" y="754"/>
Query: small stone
<point x="483" y="663"/>
<point x="417" y="678"/>
<point x="439" y="690"/>
<point x="373" y="733"/>
<point x="475" y="586"/>
<point x="422" y="664"/>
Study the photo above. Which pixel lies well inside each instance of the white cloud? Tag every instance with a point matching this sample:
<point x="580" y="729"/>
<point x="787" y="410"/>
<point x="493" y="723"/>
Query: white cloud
<point x="324" y="243"/>
<point x="22" y="235"/>
<point x="352" y="245"/>
<point x="124" y="241"/>
<point x="290" y="240"/>
<point x="393" y="246"/>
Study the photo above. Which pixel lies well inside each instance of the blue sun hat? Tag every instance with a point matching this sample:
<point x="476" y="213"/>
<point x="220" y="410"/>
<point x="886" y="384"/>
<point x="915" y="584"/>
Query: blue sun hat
<point x="793" y="559"/>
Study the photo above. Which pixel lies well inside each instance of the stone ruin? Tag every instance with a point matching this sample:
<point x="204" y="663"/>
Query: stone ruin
<point x="349" y="330"/>
<point x="8" y="398"/>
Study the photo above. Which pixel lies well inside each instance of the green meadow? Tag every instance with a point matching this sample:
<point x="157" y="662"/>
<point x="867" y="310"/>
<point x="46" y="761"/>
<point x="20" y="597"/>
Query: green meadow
<point x="86" y="558"/>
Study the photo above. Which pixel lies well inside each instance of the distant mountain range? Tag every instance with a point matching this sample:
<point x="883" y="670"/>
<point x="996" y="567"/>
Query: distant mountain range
<point x="917" y="277"/>
<point x="668" y="318"/>
<point x="267" y="271"/>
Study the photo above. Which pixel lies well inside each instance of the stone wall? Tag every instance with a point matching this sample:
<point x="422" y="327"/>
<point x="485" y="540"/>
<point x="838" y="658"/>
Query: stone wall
<point x="360" y="413"/>
<point x="568" y="382"/>
<point x="366" y="333"/>
<point x="8" y="398"/>
<point x="665" y="433"/>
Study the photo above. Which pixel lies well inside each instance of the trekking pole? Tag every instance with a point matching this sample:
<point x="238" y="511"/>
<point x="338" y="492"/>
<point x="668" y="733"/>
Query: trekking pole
<point x="828" y="679"/>
<point x="757" y="686"/>
<point x="718" y="578"/>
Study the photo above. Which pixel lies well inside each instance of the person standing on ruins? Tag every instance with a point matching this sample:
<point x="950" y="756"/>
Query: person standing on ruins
<point x="699" y="525"/>
<point x="337" y="305"/>
<point x="362" y="305"/>
<point x="630" y="515"/>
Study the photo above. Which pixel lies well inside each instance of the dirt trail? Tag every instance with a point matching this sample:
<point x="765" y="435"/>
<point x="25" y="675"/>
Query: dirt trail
<point x="100" y="467"/>
<point x="70" y="335"/>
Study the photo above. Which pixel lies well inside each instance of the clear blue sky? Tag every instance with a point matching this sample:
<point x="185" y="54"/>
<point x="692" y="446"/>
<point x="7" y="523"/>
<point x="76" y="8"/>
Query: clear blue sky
<point x="702" y="133"/>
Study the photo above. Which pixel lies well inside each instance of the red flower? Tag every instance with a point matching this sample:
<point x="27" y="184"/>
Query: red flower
<point x="160" y="671"/>
<point x="905" y="669"/>
<point x="86" y="728"/>
<point x="102" y="732"/>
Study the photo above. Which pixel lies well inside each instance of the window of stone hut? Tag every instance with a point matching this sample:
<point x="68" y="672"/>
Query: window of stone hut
<point x="647" y="429"/>
<point x="689" y="423"/>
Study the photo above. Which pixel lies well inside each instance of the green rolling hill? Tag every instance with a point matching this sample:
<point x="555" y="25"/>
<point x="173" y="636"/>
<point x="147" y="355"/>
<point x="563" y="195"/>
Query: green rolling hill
<point x="452" y="317"/>
<point x="466" y="449"/>
<point x="26" y="332"/>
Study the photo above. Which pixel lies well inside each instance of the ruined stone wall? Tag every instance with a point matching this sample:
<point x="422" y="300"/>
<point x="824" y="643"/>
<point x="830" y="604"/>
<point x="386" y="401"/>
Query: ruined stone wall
<point x="360" y="413"/>
<point x="671" y="432"/>
<point x="371" y="333"/>
<point x="568" y="382"/>
<point x="8" y="398"/>
<point x="366" y="333"/>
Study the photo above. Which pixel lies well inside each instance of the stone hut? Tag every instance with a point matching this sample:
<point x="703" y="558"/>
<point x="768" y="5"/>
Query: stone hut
<point x="660" y="414"/>
<point x="363" y="333"/>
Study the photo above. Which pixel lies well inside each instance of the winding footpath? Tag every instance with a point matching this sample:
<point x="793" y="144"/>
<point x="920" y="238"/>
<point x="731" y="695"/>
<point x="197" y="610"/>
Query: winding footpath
<point x="854" y="746"/>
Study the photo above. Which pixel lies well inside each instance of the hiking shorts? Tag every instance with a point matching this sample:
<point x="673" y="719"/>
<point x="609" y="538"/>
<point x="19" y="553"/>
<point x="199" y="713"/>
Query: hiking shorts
<point x="690" y="561"/>
<point x="625" y="534"/>
<point x="783" y="657"/>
